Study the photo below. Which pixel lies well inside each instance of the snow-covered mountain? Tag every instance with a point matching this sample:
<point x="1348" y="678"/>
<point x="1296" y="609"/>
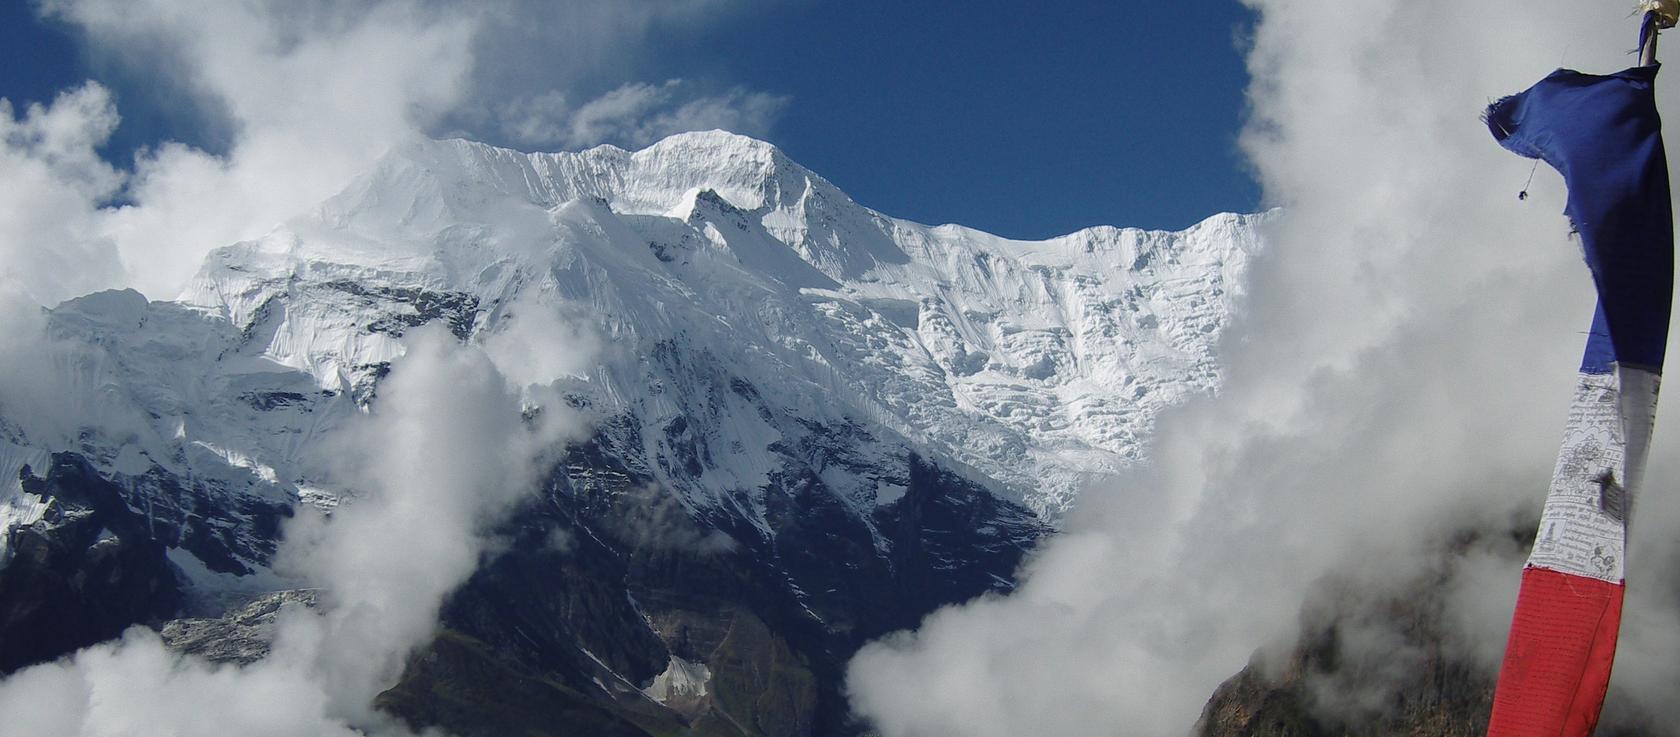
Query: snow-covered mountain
<point x="751" y="345"/>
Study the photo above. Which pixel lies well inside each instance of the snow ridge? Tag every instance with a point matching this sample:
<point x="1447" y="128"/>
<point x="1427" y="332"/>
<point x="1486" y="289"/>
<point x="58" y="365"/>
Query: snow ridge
<point x="751" y="316"/>
<point x="1035" y="364"/>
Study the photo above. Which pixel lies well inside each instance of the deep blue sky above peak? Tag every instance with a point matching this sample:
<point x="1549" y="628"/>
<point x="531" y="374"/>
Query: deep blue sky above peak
<point x="1024" y="119"/>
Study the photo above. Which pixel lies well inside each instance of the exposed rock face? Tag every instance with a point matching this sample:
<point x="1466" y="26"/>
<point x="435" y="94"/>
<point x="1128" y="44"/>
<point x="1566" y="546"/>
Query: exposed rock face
<point x="241" y="636"/>
<point x="1375" y="664"/>
<point x="82" y="572"/>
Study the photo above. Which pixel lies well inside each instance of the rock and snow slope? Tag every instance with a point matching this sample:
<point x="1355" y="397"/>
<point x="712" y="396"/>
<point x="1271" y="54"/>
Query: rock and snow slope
<point x="813" y="423"/>
<point x="720" y="278"/>
<point x="710" y="258"/>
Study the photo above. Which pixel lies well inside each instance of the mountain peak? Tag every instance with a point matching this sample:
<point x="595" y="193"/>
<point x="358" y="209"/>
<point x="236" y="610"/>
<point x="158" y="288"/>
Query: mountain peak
<point x="1033" y="363"/>
<point x="444" y="180"/>
<point x="715" y="140"/>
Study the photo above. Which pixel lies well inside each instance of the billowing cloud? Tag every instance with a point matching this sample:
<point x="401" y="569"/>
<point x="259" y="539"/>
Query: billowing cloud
<point x="54" y="182"/>
<point x="296" y="98"/>
<point x="450" y="447"/>
<point x="1400" y="374"/>
<point x="311" y="93"/>
<point x="637" y="114"/>
<point x="535" y="343"/>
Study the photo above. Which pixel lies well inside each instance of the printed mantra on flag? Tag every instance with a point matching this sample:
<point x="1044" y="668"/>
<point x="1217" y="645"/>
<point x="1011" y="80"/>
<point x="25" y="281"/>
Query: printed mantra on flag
<point x="1584" y="526"/>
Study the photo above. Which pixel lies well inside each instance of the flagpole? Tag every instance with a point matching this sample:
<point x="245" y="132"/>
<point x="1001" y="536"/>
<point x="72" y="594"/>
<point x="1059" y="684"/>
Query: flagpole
<point x="1659" y="15"/>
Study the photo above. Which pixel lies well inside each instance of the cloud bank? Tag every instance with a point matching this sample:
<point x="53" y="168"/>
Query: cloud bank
<point x="55" y="181"/>
<point x="311" y="94"/>
<point x="1401" y="374"/>
<point x="295" y="99"/>
<point x="448" y="450"/>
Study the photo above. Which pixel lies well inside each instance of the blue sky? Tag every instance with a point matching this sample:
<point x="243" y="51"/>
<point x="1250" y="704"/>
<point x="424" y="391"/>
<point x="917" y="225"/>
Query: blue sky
<point x="1025" y="119"/>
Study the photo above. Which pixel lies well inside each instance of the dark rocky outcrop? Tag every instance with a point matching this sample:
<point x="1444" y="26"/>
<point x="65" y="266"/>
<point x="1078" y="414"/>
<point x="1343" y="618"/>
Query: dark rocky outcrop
<point x="1417" y="681"/>
<point x="84" y="572"/>
<point x="1319" y="693"/>
<point x="242" y="636"/>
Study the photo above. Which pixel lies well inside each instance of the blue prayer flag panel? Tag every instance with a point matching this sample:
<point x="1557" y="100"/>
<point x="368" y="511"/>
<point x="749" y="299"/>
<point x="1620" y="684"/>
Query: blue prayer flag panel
<point x="1603" y="134"/>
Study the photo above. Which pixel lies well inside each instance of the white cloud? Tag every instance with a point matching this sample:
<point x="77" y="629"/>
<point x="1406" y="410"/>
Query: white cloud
<point x="313" y="94"/>
<point x="1402" y="370"/>
<point x="447" y="453"/>
<point x="637" y="114"/>
<point x="54" y="180"/>
<point x="536" y="343"/>
<point x="307" y="95"/>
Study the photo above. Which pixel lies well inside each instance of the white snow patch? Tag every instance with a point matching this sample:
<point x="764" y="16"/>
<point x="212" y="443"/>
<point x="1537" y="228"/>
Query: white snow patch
<point x="886" y="493"/>
<point x="682" y="679"/>
<point x="18" y="509"/>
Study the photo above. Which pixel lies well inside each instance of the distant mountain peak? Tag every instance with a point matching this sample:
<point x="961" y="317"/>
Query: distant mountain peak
<point x="1035" y="364"/>
<point x="811" y="423"/>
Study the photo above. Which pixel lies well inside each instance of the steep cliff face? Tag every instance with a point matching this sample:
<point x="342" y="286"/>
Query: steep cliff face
<point x="809" y="423"/>
<point x="82" y="572"/>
